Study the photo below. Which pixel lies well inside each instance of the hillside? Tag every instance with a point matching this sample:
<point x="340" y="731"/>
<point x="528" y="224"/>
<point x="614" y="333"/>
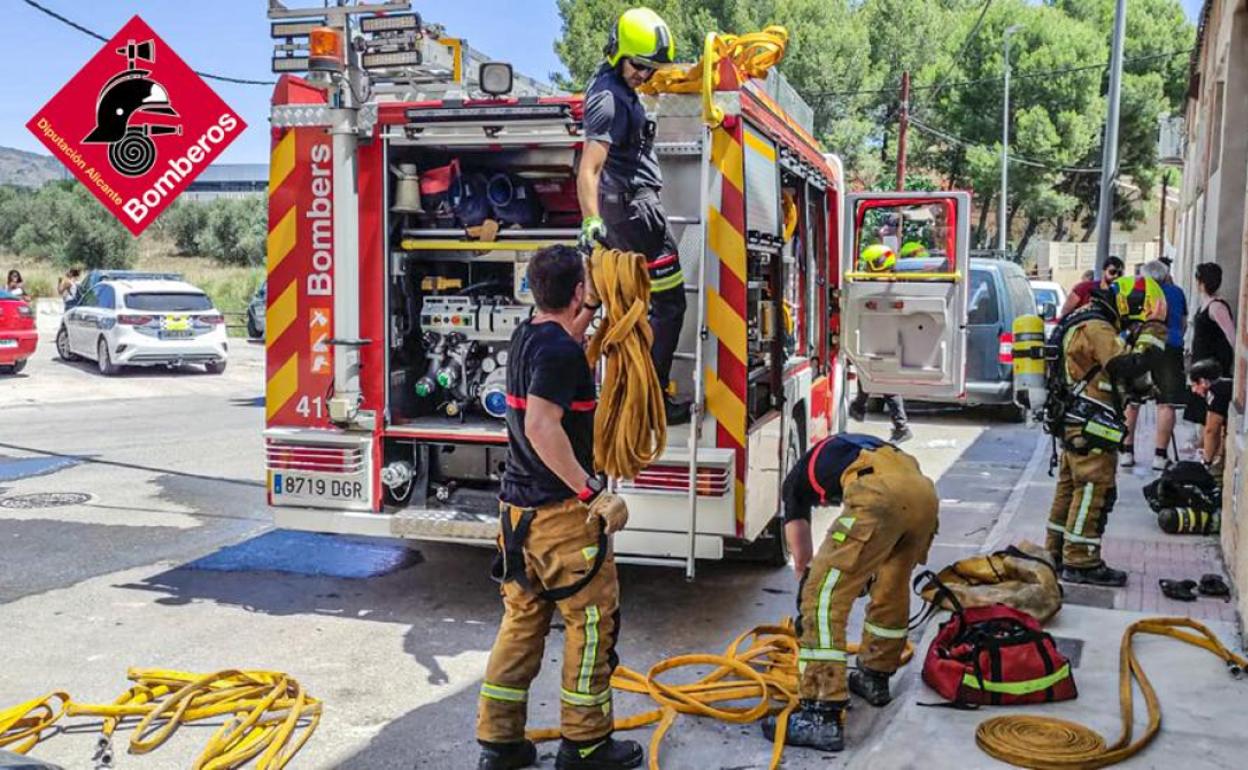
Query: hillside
<point x="28" y="169"/>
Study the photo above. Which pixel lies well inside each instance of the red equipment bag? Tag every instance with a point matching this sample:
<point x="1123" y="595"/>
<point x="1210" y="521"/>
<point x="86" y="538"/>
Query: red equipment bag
<point x="997" y="656"/>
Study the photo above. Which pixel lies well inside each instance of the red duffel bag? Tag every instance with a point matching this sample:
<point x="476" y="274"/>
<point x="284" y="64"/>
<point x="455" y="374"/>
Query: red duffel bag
<point x="997" y="656"/>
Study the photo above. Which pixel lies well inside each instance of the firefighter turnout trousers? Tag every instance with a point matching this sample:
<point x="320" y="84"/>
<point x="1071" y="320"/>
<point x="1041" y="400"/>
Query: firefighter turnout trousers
<point x="885" y="528"/>
<point x="1086" y="492"/>
<point x="637" y="222"/>
<point x="559" y="550"/>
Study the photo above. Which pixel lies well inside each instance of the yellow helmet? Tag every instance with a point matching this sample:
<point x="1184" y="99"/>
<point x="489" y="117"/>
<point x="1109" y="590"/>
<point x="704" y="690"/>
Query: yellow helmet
<point x="1139" y="298"/>
<point x="640" y="33"/>
<point x="913" y="249"/>
<point x="877" y="258"/>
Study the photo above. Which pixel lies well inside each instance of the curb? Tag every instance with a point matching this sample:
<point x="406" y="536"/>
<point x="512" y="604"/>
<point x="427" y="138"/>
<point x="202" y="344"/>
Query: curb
<point x="998" y="536"/>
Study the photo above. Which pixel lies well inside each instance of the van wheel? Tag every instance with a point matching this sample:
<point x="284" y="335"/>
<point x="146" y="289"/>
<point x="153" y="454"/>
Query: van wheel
<point x="62" y="346"/>
<point x="253" y="330"/>
<point x="104" y="360"/>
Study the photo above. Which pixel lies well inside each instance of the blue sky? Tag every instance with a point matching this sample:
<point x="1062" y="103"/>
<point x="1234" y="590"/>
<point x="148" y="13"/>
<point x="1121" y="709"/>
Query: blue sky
<point x="231" y="37"/>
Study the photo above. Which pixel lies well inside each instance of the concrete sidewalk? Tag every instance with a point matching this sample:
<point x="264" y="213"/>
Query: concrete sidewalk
<point x="1200" y="702"/>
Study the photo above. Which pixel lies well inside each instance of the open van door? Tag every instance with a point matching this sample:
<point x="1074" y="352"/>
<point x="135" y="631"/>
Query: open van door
<point x="903" y="313"/>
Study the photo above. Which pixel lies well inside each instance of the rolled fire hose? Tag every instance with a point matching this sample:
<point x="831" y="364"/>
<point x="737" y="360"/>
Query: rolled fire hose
<point x="753" y="54"/>
<point x="1046" y="743"/>
<point x="630" y="424"/>
<point x="760" y="665"/>
<point x="269" y="715"/>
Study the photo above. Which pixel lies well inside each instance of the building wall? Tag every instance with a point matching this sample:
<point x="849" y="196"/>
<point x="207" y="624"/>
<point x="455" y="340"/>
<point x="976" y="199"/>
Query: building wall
<point x="1212" y="219"/>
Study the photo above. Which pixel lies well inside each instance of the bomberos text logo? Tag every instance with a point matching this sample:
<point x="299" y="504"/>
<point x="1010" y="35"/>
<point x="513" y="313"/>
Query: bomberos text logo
<point x="136" y="125"/>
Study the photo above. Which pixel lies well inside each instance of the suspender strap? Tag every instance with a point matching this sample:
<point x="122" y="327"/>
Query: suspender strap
<point x="513" y="566"/>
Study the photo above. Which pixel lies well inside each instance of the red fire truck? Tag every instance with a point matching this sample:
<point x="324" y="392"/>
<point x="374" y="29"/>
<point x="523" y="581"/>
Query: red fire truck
<point x="390" y="308"/>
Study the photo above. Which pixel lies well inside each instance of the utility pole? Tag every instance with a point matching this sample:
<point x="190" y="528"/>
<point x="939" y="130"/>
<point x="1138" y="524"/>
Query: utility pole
<point x="1003" y="209"/>
<point x="1109" y="156"/>
<point x="902" y="129"/>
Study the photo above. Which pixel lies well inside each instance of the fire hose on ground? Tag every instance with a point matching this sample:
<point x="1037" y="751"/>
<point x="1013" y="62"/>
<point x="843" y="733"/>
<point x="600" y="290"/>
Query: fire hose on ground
<point x="267" y="716"/>
<point x="759" y="665"/>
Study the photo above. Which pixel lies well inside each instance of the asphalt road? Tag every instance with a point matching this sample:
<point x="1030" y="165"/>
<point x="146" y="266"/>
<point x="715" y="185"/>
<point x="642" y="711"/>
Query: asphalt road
<point x="166" y="558"/>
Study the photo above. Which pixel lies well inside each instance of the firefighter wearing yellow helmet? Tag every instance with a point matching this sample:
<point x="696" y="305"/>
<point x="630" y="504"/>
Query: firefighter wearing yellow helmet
<point x="618" y="181"/>
<point x="877" y="258"/>
<point x="1142" y="304"/>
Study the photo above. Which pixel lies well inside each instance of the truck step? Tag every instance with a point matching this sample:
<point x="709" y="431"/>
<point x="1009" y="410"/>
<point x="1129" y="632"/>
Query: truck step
<point x="435" y="523"/>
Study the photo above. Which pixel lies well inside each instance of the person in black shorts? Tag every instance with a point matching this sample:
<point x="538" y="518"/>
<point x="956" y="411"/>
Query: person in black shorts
<point x="1209" y="384"/>
<point x="555" y="524"/>
<point x="618" y="181"/>
<point x="1166" y="370"/>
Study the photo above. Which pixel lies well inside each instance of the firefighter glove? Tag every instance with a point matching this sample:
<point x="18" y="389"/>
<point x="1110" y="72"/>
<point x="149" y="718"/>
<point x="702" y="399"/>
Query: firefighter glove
<point x="593" y="232"/>
<point x="611" y="509"/>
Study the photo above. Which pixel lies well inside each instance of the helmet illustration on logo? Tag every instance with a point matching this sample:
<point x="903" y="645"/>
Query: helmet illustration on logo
<point x="130" y="148"/>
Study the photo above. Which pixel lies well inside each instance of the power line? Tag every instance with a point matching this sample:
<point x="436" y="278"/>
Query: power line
<point x="966" y="44"/>
<point x="955" y="139"/>
<point x="1001" y="78"/>
<point x="98" y="36"/>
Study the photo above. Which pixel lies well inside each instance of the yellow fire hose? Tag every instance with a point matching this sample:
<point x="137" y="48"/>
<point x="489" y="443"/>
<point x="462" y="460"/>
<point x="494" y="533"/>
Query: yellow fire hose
<point x="267" y="714"/>
<point x="630" y="425"/>
<point x="1046" y="743"/>
<point x="759" y="665"/>
<point x="753" y="54"/>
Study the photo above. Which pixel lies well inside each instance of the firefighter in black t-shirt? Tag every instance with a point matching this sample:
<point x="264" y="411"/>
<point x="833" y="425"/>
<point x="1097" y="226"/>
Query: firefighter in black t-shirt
<point x="554" y="546"/>
<point x="618" y="181"/>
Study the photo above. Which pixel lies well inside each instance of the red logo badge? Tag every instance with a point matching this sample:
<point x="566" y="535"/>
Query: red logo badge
<point x="136" y="125"/>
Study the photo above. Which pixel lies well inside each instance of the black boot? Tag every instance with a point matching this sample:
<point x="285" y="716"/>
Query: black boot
<point x="507" y="756"/>
<point x="1104" y="575"/>
<point x="858" y="410"/>
<point x="900" y="434"/>
<point x="815" y="723"/>
<point x="606" y="754"/>
<point x="871" y="686"/>
<point x="678" y="412"/>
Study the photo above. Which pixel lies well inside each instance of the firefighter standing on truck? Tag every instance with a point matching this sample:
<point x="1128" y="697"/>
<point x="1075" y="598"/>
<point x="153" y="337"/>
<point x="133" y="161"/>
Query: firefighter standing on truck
<point x="1094" y="373"/>
<point x="619" y="180"/>
<point x="554" y="549"/>
<point x="886" y="527"/>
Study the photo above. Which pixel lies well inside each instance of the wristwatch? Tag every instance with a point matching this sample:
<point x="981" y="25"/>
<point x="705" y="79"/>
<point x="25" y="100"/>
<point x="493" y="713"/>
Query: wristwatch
<point x="594" y="486"/>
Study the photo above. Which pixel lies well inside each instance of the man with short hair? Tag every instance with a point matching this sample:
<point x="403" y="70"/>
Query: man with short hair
<point x="1167" y="371"/>
<point x="1208" y="383"/>
<point x="555" y="526"/>
<point x="618" y="181"/>
<point x="1081" y="293"/>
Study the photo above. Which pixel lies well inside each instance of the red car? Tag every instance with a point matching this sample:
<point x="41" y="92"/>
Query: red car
<point x="17" y="333"/>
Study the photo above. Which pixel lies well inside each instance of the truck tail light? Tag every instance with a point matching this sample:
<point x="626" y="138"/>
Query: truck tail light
<point x="712" y="481"/>
<point x="1005" y="351"/>
<point x="314" y="459"/>
<point x="134" y="320"/>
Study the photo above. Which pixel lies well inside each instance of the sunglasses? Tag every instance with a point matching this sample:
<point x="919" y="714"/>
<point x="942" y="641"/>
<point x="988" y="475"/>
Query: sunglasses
<point x="643" y="68"/>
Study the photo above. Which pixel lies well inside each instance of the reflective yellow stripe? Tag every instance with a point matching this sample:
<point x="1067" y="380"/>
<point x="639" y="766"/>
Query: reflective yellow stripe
<point x="822" y="653"/>
<point x="1056" y="527"/>
<point x="499" y="692"/>
<point x="839" y="537"/>
<point x="825" y="600"/>
<point x="1082" y="539"/>
<point x="1085" y="502"/>
<point x="1018" y="688"/>
<point x="668" y="283"/>
<point x="590" y="652"/>
<point x="883" y="632"/>
<point x="589" y="552"/>
<point x="585" y="699"/>
<point x="847" y="521"/>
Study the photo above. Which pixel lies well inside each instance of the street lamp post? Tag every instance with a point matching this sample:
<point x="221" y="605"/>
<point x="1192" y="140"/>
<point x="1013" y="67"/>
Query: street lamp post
<point x="1005" y="149"/>
<point x="1109" y="154"/>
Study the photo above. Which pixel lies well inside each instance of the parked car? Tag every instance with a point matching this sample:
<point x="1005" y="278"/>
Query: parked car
<point x="144" y="323"/>
<point x="255" y="312"/>
<point x="998" y="293"/>
<point x="1050" y="297"/>
<point x="98" y="276"/>
<point x="18" y="337"/>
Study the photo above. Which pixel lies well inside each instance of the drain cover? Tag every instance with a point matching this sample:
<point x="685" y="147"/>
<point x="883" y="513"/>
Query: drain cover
<point x="44" y="500"/>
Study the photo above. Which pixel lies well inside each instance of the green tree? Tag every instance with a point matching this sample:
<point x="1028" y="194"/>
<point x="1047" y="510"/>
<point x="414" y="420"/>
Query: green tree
<point x="185" y="223"/>
<point x="66" y="224"/>
<point x="234" y="231"/>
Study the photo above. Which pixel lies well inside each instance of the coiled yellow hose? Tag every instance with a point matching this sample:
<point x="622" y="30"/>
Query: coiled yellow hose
<point x="1046" y="743"/>
<point x="630" y="424"/>
<point x="760" y="664"/>
<point x="753" y="54"/>
<point x="269" y="716"/>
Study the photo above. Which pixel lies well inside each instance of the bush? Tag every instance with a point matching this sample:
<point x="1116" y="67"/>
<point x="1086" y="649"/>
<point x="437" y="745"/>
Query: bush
<point x="64" y="223"/>
<point x="184" y="223"/>
<point x="232" y="231"/>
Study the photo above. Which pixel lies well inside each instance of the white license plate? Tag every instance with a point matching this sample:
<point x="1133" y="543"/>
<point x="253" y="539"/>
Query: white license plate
<point x="176" y="335"/>
<point x="8" y="343"/>
<point x="296" y="485"/>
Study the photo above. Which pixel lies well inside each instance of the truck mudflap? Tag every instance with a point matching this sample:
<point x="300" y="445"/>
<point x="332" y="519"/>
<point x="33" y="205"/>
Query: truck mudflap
<point x="319" y="469"/>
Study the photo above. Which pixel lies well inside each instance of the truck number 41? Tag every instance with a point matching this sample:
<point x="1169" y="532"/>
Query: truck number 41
<point x="307" y="406"/>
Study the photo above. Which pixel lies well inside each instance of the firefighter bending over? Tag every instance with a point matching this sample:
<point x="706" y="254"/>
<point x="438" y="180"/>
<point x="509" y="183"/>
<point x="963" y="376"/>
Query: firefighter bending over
<point x="554" y="545"/>
<point x="885" y="528"/>
<point x="1090" y="380"/>
<point x="618" y="181"/>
